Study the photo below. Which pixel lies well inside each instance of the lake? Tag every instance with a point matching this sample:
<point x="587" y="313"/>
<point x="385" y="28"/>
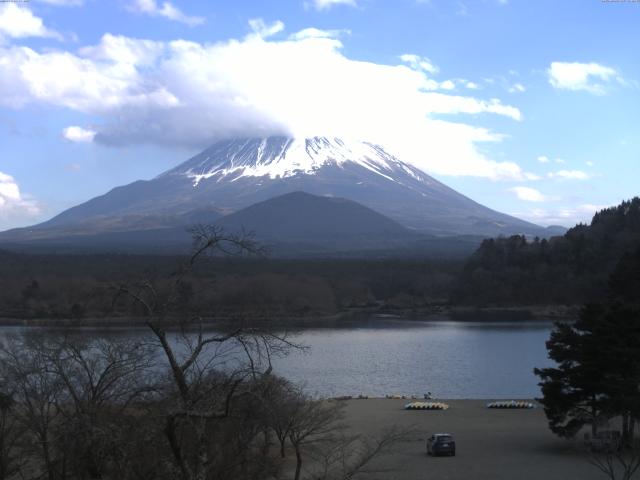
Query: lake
<point x="450" y="359"/>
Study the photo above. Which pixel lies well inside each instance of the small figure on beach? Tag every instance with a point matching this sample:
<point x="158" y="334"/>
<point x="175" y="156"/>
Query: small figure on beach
<point x="427" y="396"/>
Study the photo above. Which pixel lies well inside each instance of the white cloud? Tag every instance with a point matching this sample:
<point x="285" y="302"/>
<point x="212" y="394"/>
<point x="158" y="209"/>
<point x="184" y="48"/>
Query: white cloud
<point x="569" y="175"/>
<point x="531" y="176"/>
<point x="590" y="77"/>
<point x="472" y="86"/>
<point x="589" y="163"/>
<point x="317" y="33"/>
<point x="100" y="81"/>
<point x="19" y="22"/>
<point x="264" y="30"/>
<point x="192" y="94"/>
<point x="166" y="10"/>
<point x="13" y="204"/>
<point x="447" y="85"/>
<point x="78" y="134"/>
<point x="442" y="103"/>
<point x="9" y="190"/>
<point x="326" y="4"/>
<point x="419" y="63"/>
<point x="528" y="194"/>
<point x="566" y="216"/>
<point x="63" y="3"/>
<point x="545" y="159"/>
<point x="517" y="88"/>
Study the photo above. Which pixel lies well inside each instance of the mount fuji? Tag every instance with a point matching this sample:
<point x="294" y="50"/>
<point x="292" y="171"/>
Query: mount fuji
<point x="234" y="174"/>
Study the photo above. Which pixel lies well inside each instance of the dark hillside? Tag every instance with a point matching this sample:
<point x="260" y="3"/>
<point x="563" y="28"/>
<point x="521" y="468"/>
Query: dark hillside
<point x="569" y="269"/>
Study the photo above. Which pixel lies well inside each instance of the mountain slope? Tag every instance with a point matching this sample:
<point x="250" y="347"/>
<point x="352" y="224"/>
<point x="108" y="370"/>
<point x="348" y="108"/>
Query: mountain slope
<point x="300" y="216"/>
<point x="241" y="172"/>
<point x="293" y="225"/>
<point x="234" y="174"/>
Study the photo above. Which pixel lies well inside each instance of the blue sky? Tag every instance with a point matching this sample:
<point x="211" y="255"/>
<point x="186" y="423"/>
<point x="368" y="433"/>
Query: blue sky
<point x="529" y="107"/>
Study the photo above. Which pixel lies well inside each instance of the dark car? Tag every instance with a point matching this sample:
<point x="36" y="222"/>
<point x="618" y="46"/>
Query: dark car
<point x="441" y="444"/>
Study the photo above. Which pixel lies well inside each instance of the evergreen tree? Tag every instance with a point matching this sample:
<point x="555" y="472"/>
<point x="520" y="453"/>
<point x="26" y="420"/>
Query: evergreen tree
<point x="573" y="392"/>
<point x="598" y="360"/>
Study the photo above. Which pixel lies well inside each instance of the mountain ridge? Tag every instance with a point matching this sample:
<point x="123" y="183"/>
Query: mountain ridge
<point x="302" y="216"/>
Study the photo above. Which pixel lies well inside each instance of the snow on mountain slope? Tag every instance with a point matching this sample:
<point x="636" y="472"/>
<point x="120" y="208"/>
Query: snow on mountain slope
<point x="280" y="157"/>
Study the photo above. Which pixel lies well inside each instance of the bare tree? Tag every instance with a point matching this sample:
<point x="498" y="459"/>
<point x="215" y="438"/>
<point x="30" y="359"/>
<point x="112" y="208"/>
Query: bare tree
<point x="11" y="434"/>
<point x="99" y="373"/>
<point x="100" y="377"/>
<point x="281" y="400"/>
<point x="72" y="392"/>
<point x="620" y="464"/>
<point x="317" y="430"/>
<point x="208" y="373"/>
<point x="347" y="457"/>
<point x="314" y="422"/>
<point x="36" y="390"/>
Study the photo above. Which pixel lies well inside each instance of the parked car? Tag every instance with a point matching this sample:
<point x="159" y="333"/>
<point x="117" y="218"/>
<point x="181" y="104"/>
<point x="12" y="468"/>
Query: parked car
<point x="441" y="444"/>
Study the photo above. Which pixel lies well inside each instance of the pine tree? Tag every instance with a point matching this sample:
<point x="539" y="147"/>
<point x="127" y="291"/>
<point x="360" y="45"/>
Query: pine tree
<point x="598" y="360"/>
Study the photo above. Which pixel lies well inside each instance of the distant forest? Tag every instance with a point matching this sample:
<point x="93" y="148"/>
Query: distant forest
<point x="570" y="269"/>
<point x="503" y="272"/>
<point x="80" y="287"/>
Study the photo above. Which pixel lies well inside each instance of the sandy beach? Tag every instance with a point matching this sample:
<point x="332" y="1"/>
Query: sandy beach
<point x="491" y="444"/>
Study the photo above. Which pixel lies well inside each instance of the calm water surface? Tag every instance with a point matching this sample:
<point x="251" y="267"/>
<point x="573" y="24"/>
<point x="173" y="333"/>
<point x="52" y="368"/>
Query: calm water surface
<point x="451" y="359"/>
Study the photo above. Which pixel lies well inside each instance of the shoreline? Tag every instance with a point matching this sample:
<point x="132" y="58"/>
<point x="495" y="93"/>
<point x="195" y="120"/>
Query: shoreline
<point x="408" y="399"/>
<point x="345" y="318"/>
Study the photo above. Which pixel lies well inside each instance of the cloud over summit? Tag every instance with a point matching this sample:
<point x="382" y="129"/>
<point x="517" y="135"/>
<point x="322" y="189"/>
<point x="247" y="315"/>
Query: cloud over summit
<point x="189" y="93"/>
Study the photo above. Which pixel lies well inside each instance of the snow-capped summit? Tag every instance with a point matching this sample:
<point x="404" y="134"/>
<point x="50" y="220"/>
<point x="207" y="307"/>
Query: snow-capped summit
<point x="281" y="157"/>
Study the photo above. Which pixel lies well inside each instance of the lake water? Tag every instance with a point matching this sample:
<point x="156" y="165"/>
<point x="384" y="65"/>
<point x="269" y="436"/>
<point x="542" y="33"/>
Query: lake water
<point x="450" y="359"/>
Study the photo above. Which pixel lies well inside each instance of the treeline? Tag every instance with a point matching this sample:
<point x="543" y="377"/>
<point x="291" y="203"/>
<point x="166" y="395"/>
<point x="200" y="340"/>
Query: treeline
<point x="562" y="270"/>
<point x="81" y="286"/>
